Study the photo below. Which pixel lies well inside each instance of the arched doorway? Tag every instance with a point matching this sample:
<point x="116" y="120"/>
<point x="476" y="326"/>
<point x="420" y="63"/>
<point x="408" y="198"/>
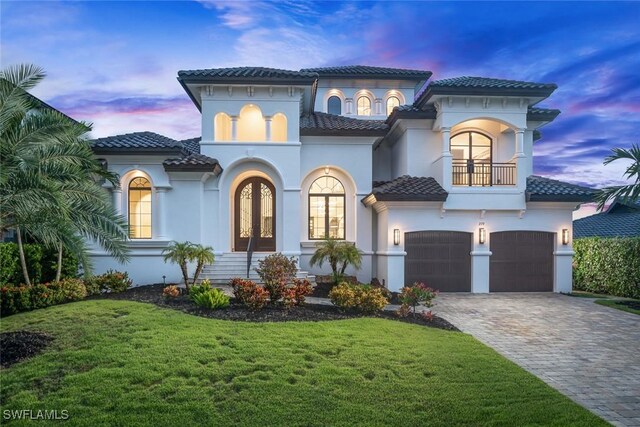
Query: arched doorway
<point x="255" y="215"/>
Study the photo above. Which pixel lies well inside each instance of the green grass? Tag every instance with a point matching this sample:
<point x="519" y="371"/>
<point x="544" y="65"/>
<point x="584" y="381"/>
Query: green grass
<point x="125" y="363"/>
<point x="585" y="294"/>
<point x="616" y="304"/>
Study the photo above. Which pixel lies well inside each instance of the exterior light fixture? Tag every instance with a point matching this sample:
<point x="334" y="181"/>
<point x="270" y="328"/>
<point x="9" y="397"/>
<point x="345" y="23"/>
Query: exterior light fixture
<point x="326" y="170"/>
<point x="482" y="234"/>
<point x="565" y="236"/>
<point x="164" y="279"/>
<point x="396" y="236"/>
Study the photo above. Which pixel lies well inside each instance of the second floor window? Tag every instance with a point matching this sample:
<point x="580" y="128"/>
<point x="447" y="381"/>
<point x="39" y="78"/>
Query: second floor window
<point x="364" y="106"/>
<point x="140" y="208"/>
<point x="473" y="146"/>
<point x="326" y="209"/>
<point x="392" y="102"/>
<point x="334" y="105"/>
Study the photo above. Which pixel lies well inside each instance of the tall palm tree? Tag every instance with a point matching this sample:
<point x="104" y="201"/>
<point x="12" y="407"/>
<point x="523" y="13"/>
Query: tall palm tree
<point x="202" y="255"/>
<point x="624" y="193"/>
<point x="180" y="253"/>
<point x="48" y="187"/>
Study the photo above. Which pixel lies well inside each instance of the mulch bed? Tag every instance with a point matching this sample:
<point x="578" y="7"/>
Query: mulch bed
<point x="308" y="312"/>
<point x="21" y="345"/>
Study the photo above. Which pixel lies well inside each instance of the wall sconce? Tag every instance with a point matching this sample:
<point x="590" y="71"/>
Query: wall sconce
<point x="326" y="170"/>
<point x="565" y="236"/>
<point x="482" y="234"/>
<point x="396" y="236"/>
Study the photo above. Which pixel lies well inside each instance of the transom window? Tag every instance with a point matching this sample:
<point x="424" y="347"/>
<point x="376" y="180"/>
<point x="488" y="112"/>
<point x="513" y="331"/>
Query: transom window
<point x="392" y="102"/>
<point x="364" y="106"/>
<point x="140" y="208"/>
<point x="334" y="105"/>
<point x="326" y="209"/>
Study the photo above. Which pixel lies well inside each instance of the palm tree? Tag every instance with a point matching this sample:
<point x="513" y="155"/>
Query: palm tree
<point x="202" y="255"/>
<point x="350" y="255"/>
<point x="327" y="250"/>
<point x="48" y="187"/>
<point x="180" y="253"/>
<point x="625" y="193"/>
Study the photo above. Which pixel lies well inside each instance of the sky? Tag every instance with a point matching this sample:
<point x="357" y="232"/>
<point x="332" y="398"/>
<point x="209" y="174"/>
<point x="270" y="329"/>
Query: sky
<point x="114" y="64"/>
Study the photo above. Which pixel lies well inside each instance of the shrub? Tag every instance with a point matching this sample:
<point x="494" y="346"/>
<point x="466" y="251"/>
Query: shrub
<point x="360" y="297"/>
<point x="11" y="269"/>
<point x="113" y="281"/>
<point x="92" y="285"/>
<point x="50" y="265"/>
<point x="295" y="295"/>
<point x="276" y="271"/>
<point x="413" y="296"/>
<point x="14" y="299"/>
<point x="247" y="292"/>
<point x="71" y="289"/>
<point x="171" y="291"/>
<point x="609" y="266"/>
<point x="203" y="287"/>
<point x="210" y="298"/>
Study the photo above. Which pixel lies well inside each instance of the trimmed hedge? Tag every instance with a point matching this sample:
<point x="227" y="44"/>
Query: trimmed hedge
<point x="41" y="264"/>
<point x="608" y="266"/>
<point x="14" y="299"/>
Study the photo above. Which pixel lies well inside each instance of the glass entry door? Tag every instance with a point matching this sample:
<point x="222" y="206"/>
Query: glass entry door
<point x="255" y="215"/>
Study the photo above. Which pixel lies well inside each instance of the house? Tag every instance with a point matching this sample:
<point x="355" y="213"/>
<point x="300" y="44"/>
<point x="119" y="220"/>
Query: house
<point x="619" y="220"/>
<point x="431" y="179"/>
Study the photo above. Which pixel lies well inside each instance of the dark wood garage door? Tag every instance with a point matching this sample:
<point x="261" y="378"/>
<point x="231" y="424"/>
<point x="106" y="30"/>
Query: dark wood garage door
<point x="440" y="259"/>
<point x="521" y="261"/>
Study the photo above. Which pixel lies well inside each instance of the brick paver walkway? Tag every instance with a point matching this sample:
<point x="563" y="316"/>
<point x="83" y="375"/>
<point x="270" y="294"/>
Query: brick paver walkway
<point x="589" y="352"/>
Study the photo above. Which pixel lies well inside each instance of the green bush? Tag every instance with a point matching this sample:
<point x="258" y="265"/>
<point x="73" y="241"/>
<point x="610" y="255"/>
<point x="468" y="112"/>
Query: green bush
<point x="276" y="271"/>
<point x="14" y="299"/>
<point x="359" y="297"/>
<point x="111" y="281"/>
<point x="210" y="298"/>
<point x="609" y="266"/>
<point x="42" y="264"/>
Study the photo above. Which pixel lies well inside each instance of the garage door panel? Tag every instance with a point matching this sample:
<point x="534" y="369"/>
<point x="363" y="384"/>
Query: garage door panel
<point x="521" y="261"/>
<point x="440" y="259"/>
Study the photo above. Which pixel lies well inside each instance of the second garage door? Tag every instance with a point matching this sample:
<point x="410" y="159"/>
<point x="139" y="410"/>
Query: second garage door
<point x="521" y="261"/>
<point x="440" y="259"/>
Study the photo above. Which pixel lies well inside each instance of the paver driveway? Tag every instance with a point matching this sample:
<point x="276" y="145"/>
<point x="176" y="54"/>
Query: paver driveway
<point x="589" y="352"/>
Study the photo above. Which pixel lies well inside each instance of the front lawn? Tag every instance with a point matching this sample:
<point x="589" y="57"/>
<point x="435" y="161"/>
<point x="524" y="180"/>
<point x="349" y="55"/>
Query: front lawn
<point x="629" y="305"/>
<point x="127" y="363"/>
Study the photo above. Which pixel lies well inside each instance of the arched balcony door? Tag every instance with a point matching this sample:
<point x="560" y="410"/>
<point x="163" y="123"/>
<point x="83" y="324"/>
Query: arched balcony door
<point x="255" y="215"/>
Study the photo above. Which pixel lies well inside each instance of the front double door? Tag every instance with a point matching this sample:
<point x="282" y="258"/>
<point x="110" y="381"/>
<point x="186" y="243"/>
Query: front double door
<point x="255" y="215"/>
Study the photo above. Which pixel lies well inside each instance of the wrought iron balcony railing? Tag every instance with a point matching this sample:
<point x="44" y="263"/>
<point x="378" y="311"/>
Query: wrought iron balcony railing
<point x="480" y="173"/>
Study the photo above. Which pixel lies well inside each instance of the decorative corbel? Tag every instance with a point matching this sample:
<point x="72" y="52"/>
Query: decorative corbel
<point x="521" y="213"/>
<point x="483" y="212"/>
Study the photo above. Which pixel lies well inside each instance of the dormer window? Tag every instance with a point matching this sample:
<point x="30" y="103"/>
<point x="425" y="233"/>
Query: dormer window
<point x="392" y="102"/>
<point x="334" y="105"/>
<point x="364" y="106"/>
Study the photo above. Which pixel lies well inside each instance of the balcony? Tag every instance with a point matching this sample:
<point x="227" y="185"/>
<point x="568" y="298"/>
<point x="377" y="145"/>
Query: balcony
<point x="483" y="173"/>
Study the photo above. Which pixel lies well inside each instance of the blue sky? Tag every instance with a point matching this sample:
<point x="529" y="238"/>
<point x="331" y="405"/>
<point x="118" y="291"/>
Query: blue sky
<point x="115" y="63"/>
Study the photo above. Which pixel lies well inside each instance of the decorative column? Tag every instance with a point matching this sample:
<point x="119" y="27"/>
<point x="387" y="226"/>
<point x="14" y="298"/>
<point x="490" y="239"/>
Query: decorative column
<point x="446" y="158"/>
<point x="117" y="199"/>
<point x="348" y="103"/>
<point x="161" y="213"/>
<point x="521" y="158"/>
<point x="378" y="102"/>
<point x="234" y="128"/>
<point x="267" y="125"/>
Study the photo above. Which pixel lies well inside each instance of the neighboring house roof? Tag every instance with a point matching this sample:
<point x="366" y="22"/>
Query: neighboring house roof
<point x="245" y="75"/>
<point x="408" y="188"/>
<point x="187" y="152"/>
<point x="332" y="124"/>
<point x="619" y="220"/>
<point x="485" y="86"/>
<point x="540" y="189"/>
<point x="369" y="72"/>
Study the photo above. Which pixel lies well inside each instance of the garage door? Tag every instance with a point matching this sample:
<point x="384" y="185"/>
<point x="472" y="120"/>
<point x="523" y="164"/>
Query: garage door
<point x="440" y="259"/>
<point x="521" y="261"/>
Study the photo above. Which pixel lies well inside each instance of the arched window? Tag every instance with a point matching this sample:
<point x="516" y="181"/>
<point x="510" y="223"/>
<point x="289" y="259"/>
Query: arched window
<point x="334" y="105"/>
<point x="279" y="128"/>
<point x="364" y="106"/>
<point x="472" y="158"/>
<point x="251" y="125"/>
<point x="222" y="127"/>
<point x="140" y="208"/>
<point x="392" y="102"/>
<point x="326" y="209"/>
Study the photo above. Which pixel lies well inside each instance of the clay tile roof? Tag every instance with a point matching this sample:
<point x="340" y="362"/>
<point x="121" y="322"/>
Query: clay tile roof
<point x="246" y="74"/>
<point x="192" y="144"/>
<point x="540" y="189"/>
<point x="331" y="124"/>
<point x="366" y="71"/>
<point x="542" y="114"/>
<point x="409" y="188"/>
<point x="137" y="141"/>
<point x="193" y="162"/>
<point x="625" y="224"/>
